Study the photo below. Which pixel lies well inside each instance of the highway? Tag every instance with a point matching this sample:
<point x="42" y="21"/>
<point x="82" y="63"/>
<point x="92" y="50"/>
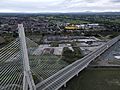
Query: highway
<point x="63" y="76"/>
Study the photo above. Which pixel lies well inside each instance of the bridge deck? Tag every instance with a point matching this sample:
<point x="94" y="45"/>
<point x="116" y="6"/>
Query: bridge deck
<point x="60" y="78"/>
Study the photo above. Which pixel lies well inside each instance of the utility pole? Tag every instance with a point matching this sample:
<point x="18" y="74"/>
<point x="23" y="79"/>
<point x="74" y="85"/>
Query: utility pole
<point x="28" y="82"/>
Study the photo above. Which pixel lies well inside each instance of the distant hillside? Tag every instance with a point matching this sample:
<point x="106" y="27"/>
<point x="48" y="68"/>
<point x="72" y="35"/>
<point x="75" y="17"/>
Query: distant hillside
<point x="72" y="13"/>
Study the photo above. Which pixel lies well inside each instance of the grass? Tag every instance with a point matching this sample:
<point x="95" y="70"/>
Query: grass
<point x="35" y="37"/>
<point x="77" y="21"/>
<point x="116" y="62"/>
<point x="45" y="65"/>
<point x="96" y="79"/>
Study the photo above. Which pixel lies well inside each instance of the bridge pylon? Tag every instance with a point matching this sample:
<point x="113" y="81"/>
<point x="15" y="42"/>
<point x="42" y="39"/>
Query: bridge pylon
<point x="28" y="82"/>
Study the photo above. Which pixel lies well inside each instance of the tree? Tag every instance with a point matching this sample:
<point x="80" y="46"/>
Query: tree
<point x="55" y="44"/>
<point x="71" y="56"/>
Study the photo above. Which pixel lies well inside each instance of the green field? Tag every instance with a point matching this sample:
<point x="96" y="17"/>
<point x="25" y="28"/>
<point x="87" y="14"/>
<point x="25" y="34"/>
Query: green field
<point x="77" y="21"/>
<point x="96" y="79"/>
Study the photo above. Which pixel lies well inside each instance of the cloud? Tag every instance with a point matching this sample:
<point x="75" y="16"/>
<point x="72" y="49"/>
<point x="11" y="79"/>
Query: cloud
<point x="116" y="1"/>
<point x="90" y="1"/>
<point x="58" y="5"/>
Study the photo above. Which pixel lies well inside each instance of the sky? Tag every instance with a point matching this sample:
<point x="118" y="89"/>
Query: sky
<point x="63" y="6"/>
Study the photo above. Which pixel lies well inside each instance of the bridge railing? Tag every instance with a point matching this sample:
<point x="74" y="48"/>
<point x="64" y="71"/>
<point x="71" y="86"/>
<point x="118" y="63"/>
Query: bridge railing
<point x="51" y="81"/>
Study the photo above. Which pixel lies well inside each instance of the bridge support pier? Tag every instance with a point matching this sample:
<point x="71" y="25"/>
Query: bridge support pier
<point x="41" y="78"/>
<point x="107" y="46"/>
<point x="77" y="74"/>
<point x="65" y="85"/>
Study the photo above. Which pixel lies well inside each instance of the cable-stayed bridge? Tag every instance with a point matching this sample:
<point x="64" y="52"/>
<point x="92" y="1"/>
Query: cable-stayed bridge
<point x="44" y="72"/>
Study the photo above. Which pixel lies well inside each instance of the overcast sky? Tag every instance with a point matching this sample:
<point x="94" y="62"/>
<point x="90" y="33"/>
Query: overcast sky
<point x="36" y="6"/>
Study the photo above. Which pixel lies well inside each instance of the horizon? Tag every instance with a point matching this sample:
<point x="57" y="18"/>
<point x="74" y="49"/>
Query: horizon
<point x="53" y="12"/>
